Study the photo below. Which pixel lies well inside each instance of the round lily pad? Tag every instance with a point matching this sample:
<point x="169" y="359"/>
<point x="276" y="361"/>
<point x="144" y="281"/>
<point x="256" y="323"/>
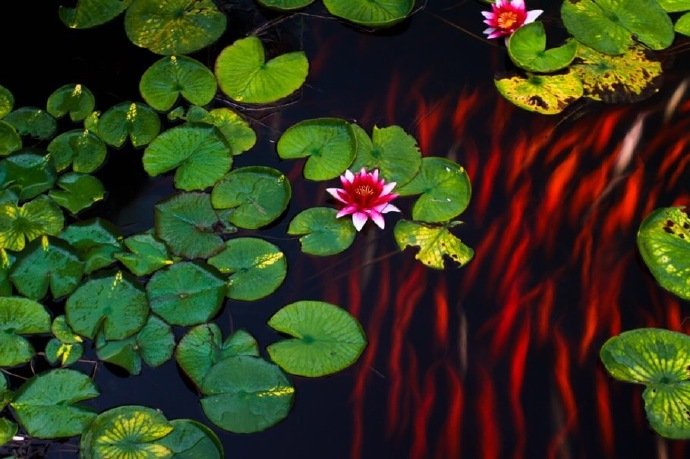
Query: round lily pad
<point x="285" y="5"/>
<point x="630" y="77"/>
<point x="321" y="233"/>
<point x="371" y="13"/>
<point x="172" y="76"/>
<point x="682" y="25"/>
<point x="444" y="187"/>
<point x="32" y="121"/>
<point x="237" y="132"/>
<point x="73" y="99"/>
<point x="47" y="405"/>
<point x="186" y="293"/>
<point x="198" y="152"/>
<point x="191" y="439"/>
<point x="112" y="306"/>
<point x="609" y="26"/>
<point x="545" y="94"/>
<point x="19" y="224"/>
<point x="51" y="263"/>
<point x="84" y="150"/>
<point x="9" y="139"/>
<point x="20" y="316"/>
<point x="96" y="241"/>
<point x="326" y="338"/>
<point x="527" y="49"/>
<point x="664" y="243"/>
<point x="244" y="74"/>
<point x="132" y="120"/>
<point x="77" y="192"/>
<point x="91" y="13"/>
<point x="174" y="26"/>
<point x="434" y="242"/>
<point x="256" y="267"/>
<point x="201" y="348"/>
<point x="328" y="143"/>
<point x="146" y="254"/>
<point x="673" y="6"/>
<point x="256" y="196"/>
<point x="186" y="223"/>
<point x="659" y="359"/>
<point x="246" y="394"/>
<point x="6" y="101"/>
<point x="27" y="174"/>
<point x="125" y="432"/>
<point x="391" y="150"/>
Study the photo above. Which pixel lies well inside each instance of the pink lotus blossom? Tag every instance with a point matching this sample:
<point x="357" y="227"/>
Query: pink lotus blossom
<point x="506" y="16"/>
<point x="364" y="196"/>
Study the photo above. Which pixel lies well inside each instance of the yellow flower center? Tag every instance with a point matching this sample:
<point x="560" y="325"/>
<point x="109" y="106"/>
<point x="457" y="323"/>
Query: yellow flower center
<point x="507" y="19"/>
<point x="364" y="190"/>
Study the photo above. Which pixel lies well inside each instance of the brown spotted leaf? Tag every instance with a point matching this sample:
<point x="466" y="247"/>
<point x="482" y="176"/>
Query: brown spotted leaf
<point x="545" y="94"/>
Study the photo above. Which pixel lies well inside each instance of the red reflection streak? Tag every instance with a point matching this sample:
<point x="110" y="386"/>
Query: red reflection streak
<point x="442" y="314"/>
<point x="405" y="301"/>
<point x="507" y="318"/>
<point x="545" y="308"/>
<point x="465" y="105"/>
<point x="450" y="436"/>
<point x="562" y="377"/>
<point x="604" y="413"/>
<point x="428" y="123"/>
<point x="423" y="410"/>
<point x="485" y="406"/>
<point x="368" y="358"/>
<point x="517" y="378"/>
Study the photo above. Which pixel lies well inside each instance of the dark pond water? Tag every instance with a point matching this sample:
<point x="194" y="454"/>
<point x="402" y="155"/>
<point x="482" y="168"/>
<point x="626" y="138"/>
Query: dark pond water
<point x="497" y="359"/>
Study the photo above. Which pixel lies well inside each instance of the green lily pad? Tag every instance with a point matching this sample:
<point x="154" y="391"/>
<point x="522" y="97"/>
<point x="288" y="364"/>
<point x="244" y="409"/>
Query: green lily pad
<point x="27" y="174"/>
<point x="256" y="268"/>
<point x="527" y="49"/>
<point x="47" y="405"/>
<point x="370" y="13"/>
<point x="84" y="150"/>
<point x="545" y="94"/>
<point x="434" y="243"/>
<point x="444" y="187"/>
<point x="246" y="394"/>
<point x="172" y="76"/>
<point x="285" y="5"/>
<point x="138" y="122"/>
<point x="48" y="263"/>
<point x="664" y="243"/>
<point x="20" y="316"/>
<point x="391" y="150"/>
<point x="8" y="429"/>
<point x="5" y="393"/>
<point x="186" y="293"/>
<point x="19" y="224"/>
<point x="32" y="121"/>
<point x="609" y="25"/>
<point x="6" y="101"/>
<point x="173" y="27"/>
<point x="672" y="6"/>
<point x="113" y="306"/>
<point x="191" y="439"/>
<point x="630" y="77"/>
<point x="201" y="348"/>
<point x="198" y="152"/>
<point x="328" y="144"/>
<point x="62" y="331"/>
<point x="154" y="344"/>
<point x="256" y="196"/>
<point x="96" y="241"/>
<point x="127" y="432"/>
<point x="146" y="254"/>
<point x="326" y="338"/>
<point x="186" y="223"/>
<point x="73" y="99"/>
<point x="79" y="192"/>
<point x="244" y="74"/>
<point x="63" y="354"/>
<point x="6" y="262"/>
<point x="321" y="233"/>
<point x="9" y="139"/>
<point x="682" y="26"/>
<point x="237" y="132"/>
<point x="659" y="359"/>
<point x="91" y="13"/>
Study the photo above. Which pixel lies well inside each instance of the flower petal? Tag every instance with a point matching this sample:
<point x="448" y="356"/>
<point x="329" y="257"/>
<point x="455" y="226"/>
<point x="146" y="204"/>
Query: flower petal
<point x="347" y="210"/>
<point x="532" y="15"/>
<point x="387" y="188"/>
<point x="335" y="192"/>
<point x="349" y="176"/>
<point x="359" y="219"/>
<point x="488" y="14"/>
<point x="389" y="208"/>
<point x="520" y="4"/>
<point x="378" y="219"/>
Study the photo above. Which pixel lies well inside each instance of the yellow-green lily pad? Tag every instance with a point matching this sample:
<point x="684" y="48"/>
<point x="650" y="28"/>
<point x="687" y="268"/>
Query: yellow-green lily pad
<point x="545" y="94"/>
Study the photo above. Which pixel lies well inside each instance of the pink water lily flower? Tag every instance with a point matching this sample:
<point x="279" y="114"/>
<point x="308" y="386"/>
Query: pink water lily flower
<point x="364" y="196"/>
<point x="506" y="16"/>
